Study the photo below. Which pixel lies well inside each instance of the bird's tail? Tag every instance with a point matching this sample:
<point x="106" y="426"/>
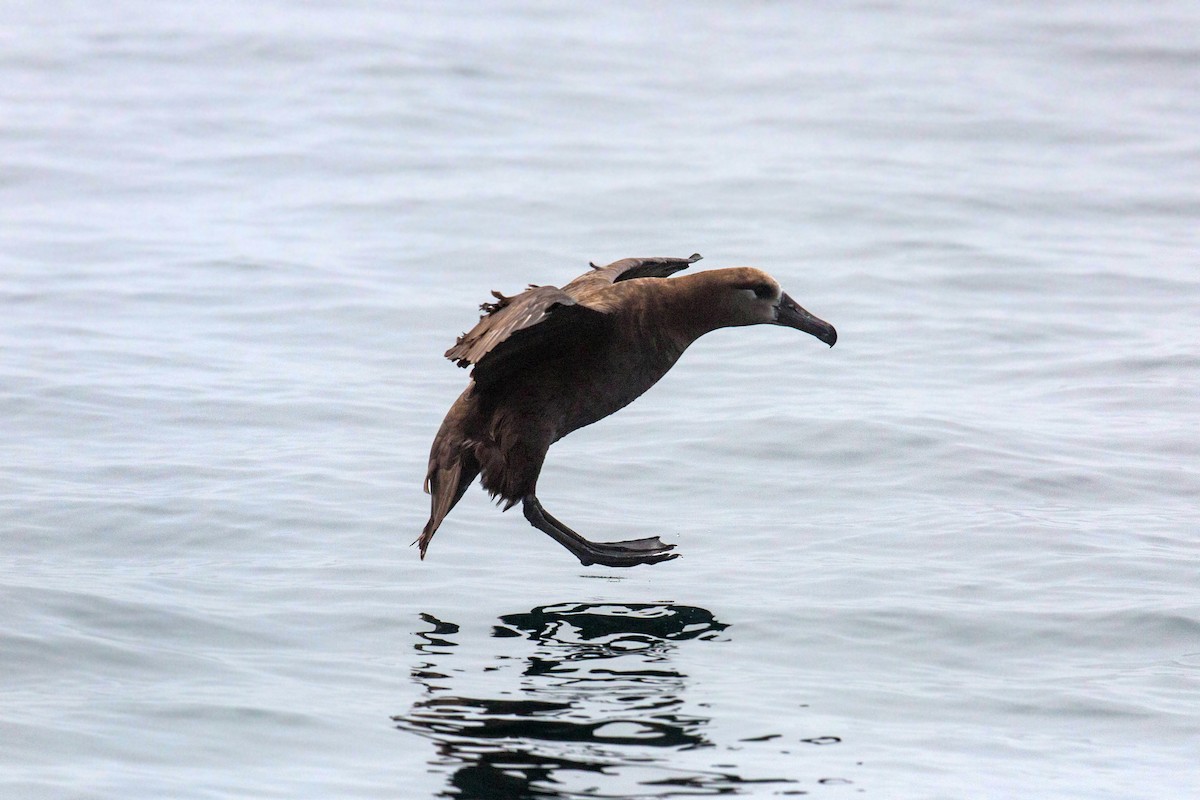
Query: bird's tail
<point x="446" y="483"/>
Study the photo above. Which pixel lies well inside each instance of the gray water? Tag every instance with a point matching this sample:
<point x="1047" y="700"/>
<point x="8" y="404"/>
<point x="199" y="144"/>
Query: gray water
<point x="953" y="557"/>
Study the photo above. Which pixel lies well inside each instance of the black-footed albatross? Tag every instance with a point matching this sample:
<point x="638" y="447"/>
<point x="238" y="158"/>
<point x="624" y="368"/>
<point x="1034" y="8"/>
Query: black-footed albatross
<point x="549" y="361"/>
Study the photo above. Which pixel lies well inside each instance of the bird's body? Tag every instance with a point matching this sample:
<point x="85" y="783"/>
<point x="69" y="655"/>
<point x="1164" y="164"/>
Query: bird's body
<point x="550" y="361"/>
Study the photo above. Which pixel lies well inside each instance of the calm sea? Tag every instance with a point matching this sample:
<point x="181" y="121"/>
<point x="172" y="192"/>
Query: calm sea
<point x="956" y="556"/>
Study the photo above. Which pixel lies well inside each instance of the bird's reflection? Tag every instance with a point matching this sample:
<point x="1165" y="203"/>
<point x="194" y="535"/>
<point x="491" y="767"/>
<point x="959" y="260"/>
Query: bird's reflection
<point x="582" y="696"/>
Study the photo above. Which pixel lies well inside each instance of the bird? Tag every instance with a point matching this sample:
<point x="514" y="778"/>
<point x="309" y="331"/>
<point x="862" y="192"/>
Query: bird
<point x="550" y="360"/>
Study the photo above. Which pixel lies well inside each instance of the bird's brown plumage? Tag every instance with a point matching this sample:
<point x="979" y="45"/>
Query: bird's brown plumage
<point x="549" y="361"/>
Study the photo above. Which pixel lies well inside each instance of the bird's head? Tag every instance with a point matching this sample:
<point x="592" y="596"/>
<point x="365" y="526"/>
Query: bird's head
<point x="753" y="298"/>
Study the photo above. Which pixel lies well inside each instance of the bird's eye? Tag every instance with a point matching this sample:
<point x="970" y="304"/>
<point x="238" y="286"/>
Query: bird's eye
<point x="764" y="291"/>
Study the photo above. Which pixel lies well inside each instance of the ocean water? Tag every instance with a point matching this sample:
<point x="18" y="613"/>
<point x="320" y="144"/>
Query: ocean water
<point x="956" y="556"/>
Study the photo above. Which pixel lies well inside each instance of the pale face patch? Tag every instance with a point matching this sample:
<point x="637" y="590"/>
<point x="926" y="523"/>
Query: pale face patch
<point x="760" y="302"/>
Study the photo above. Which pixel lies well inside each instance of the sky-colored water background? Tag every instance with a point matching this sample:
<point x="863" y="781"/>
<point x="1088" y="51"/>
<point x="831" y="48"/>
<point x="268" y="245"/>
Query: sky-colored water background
<point x="955" y="556"/>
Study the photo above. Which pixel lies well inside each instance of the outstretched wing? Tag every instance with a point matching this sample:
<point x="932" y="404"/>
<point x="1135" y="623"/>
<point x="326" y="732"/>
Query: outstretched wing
<point x="515" y="331"/>
<point x="544" y="321"/>
<point x="629" y="268"/>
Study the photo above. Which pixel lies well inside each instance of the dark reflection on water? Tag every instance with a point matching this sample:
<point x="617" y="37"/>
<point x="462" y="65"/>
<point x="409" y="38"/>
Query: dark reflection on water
<point x="577" y="700"/>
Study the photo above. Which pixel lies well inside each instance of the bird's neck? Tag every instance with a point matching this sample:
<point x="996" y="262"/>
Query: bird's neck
<point x="692" y="308"/>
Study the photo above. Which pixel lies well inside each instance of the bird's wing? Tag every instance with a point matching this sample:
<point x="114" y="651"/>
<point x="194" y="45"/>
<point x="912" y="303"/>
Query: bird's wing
<point x="544" y="321"/>
<point x="515" y="331"/>
<point x="629" y="268"/>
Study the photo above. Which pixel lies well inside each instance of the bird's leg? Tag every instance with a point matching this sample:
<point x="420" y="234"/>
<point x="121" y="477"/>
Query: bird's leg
<point x="610" y="554"/>
<point x="647" y="544"/>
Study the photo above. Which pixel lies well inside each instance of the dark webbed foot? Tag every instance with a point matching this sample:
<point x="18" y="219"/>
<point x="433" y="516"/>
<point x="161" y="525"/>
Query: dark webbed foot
<point x="629" y="553"/>
<point x="652" y="543"/>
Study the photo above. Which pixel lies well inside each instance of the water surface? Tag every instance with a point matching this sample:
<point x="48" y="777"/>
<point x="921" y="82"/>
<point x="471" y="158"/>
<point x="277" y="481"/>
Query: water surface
<point x="954" y="556"/>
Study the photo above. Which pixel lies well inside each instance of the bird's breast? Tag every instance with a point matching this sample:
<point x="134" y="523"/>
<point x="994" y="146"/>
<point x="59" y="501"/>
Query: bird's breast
<point x="614" y="378"/>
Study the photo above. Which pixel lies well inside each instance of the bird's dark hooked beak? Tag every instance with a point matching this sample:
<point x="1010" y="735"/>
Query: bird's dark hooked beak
<point x="789" y="313"/>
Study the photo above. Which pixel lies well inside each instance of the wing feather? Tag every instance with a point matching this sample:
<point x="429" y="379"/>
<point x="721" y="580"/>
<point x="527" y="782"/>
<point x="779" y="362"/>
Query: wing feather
<point x="522" y="329"/>
<point x="629" y="268"/>
<point x="544" y="321"/>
